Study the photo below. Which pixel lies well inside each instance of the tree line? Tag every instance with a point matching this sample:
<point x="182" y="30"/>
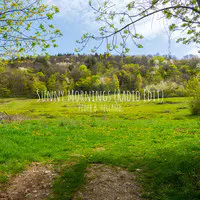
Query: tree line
<point x="23" y="77"/>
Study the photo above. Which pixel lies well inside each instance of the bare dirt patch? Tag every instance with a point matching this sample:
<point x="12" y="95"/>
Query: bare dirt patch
<point x="34" y="184"/>
<point x="108" y="183"/>
<point x="4" y="116"/>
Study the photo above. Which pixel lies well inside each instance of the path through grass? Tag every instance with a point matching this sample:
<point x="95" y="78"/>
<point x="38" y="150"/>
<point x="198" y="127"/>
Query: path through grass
<point x="161" y="140"/>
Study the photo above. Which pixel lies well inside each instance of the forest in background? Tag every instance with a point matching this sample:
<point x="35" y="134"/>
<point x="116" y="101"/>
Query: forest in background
<point x="24" y="76"/>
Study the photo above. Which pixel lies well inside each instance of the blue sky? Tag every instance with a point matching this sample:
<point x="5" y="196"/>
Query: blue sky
<point x="76" y="18"/>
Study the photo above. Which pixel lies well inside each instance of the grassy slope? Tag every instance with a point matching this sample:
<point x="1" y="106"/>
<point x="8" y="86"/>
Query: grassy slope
<point x="160" y="139"/>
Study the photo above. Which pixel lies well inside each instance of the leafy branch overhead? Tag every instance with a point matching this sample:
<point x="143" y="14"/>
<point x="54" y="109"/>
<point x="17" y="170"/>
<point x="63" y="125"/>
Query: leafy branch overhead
<point x="25" y="26"/>
<point x="119" y="23"/>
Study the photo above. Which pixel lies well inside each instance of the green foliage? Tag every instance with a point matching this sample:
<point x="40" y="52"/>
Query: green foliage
<point x="38" y="86"/>
<point x="115" y="82"/>
<point x="170" y="89"/>
<point x="184" y="13"/>
<point x="96" y="83"/>
<point x="138" y="82"/>
<point x="51" y="83"/>
<point x="193" y="90"/>
<point x="25" y="26"/>
<point x="85" y="72"/>
<point x="18" y="82"/>
<point x="109" y="83"/>
<point x="84" y="84"/>
<point x="113" y="73"/>
<point x="132" y="68"/>
<point x="158" y="59"/>
<point x="195" y="105"/>
<point x="4" y="92"/>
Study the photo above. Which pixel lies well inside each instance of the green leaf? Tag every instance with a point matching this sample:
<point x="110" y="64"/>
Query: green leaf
<point x="126" y="32"/>
<point x="51" y="26"/>
<point x="139" y="46"/>
<point x="50" y="16"/>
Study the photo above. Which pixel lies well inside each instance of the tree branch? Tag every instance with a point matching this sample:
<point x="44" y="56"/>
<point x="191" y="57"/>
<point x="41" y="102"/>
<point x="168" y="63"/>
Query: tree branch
<point x="147" y="15"/>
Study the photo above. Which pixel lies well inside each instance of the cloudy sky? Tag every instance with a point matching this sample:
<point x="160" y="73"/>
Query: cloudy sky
<point x="76" y="18"/>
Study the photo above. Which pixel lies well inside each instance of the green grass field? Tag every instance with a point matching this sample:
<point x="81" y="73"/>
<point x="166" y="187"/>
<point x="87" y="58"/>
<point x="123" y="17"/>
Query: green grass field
<point x="160" y="139"/>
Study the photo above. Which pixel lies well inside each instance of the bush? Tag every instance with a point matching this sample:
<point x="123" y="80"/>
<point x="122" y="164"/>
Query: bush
<point x="170" y="89"/>
<point x="194" y="92"/>
<point x="4" y="92"/>
<point x="195" y="103"/>
<point x="195" y="106"/>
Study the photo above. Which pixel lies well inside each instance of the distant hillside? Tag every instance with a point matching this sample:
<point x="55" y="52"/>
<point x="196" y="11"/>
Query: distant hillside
<point x="97" y="72"/>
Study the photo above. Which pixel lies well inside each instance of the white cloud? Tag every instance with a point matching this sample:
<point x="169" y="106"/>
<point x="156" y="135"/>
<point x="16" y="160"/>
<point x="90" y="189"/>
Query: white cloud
<point x="78" y="11"/>
<point x="71" y="10"/>
<point x="151" y="28"/>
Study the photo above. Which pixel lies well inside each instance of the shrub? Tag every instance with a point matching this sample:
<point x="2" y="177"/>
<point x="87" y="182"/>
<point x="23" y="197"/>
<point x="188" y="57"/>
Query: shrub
<point x="170" y="89"/>
<point x="4" y="92"/>
<point x="194" y="92"/>
<point x="195" y="103"/>
<point x="195" y="106"/>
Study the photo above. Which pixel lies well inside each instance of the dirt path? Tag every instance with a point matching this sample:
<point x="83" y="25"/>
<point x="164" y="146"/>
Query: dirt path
<point x="102" y="183"/>
<point x="34" y="184"/>
<point x="108" y="183"/>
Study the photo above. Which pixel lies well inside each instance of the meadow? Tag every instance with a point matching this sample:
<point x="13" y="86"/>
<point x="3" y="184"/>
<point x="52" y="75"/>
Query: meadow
<point x="159" y="142"/>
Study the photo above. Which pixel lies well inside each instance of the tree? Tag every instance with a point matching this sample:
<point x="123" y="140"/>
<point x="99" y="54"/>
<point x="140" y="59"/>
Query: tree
<point x="51" y="83"/>
<point x="193" y="90"/>
<point x="8" y="81"/>
<point x="119" y="24"/>
<point x="85" y="72"/>
<point x="25" y="26"/>
<point x="115" y="82"/>
<point x="36" y="83"/>
<point x="138" y="82"/>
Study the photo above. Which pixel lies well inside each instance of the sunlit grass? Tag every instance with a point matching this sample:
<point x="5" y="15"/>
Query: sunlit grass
<point x="162" y="140"/>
